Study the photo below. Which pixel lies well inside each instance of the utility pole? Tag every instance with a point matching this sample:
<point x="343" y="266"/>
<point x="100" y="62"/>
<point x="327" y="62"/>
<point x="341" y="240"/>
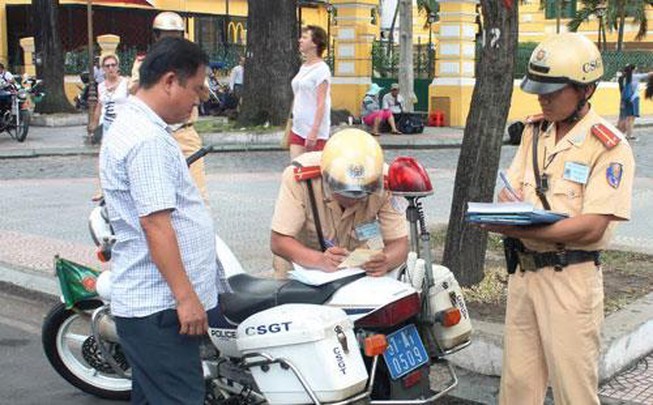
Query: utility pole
<point x="406" y="53"/>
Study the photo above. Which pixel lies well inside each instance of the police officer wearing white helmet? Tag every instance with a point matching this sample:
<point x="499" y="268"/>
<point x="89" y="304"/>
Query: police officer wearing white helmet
<point x="570" y="161"/>
<point x="169" y="24"/>
<point x="333" y="202"/>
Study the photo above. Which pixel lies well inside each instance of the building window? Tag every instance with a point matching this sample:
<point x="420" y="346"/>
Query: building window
<point x="567" y="9"/>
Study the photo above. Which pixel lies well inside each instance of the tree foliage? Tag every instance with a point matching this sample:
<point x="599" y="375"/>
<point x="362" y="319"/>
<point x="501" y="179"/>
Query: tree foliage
<point x="616" y="16"/>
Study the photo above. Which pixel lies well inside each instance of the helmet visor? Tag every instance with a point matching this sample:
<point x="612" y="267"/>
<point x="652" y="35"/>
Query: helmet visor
<point x="353" y="191"/>
<point x="541" y="85"/>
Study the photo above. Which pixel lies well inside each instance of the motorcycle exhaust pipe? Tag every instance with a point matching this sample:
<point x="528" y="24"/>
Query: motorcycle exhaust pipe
<point x="106" y="327"/>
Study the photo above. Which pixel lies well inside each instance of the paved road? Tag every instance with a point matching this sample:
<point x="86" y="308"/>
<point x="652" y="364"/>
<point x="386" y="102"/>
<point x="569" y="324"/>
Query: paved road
<point x="27" y="377"/>
<point x="46" y="201"/>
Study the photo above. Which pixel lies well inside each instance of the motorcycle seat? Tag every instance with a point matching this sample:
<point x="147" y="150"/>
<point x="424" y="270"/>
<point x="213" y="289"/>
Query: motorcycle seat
<point x="254" y="294"/>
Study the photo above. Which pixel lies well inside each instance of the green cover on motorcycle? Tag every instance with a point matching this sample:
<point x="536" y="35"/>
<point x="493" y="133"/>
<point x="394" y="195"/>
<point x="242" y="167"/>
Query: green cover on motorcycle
<point x="77" y="281"/>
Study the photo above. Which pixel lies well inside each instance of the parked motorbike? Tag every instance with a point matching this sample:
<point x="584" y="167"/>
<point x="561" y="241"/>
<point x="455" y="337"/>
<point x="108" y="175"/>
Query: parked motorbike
<point x="15" y="113"/>
<point x="353" y="340"/>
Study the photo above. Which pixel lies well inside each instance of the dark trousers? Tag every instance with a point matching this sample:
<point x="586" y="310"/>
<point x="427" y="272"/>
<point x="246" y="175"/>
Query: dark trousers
<point x="166" y="366"/>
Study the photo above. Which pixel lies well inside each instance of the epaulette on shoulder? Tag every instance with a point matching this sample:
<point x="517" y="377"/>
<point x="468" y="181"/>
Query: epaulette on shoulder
<point x="606" y="135"/>
<point x="534" y="119"/>
<point x="303" y="173"/>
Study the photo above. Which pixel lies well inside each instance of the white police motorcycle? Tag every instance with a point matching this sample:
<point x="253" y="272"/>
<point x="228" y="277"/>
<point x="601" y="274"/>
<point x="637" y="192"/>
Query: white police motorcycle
<point x="356" y="339"/>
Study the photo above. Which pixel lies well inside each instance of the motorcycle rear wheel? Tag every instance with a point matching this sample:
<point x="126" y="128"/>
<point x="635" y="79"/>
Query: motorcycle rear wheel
<point x="63" y="334"/>
<point x="19" y="132"/>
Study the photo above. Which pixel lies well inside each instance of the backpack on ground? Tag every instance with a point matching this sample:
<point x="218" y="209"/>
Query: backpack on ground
<point x="410" y="124"/>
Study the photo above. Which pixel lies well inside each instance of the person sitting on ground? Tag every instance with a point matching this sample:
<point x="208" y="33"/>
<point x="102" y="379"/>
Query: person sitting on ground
<point x="393" y="101"/>
<point x="371" y="113"/>
<point x="333" y="202"/>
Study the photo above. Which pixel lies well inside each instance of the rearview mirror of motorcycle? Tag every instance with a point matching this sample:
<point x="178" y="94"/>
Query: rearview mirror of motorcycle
<point x="407" y="177"/>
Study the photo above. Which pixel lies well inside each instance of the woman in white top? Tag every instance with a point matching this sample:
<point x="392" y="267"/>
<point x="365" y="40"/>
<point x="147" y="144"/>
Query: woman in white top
<point x="312" y="100"/>
<point x="112" y="94"/>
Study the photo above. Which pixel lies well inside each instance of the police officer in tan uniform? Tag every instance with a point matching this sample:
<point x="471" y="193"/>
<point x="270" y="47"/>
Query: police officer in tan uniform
<point x="352" y="208"/>
<point x="571" y="161"/>
<point x="168" y="24"/>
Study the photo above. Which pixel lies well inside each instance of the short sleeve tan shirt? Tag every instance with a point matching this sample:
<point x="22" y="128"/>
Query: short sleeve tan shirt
<point x="293" y="215"/>
<point x="599" y="194"/>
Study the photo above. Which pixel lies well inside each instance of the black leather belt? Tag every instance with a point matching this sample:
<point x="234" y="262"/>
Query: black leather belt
<point x="533" y="261"/>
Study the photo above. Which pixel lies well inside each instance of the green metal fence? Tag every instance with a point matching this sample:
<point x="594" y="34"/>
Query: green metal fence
<point x="385" y="60"/>
<point x="613" y="61"/>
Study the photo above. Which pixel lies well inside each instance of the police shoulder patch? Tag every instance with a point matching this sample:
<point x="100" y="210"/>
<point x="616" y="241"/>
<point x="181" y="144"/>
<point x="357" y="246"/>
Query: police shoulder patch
<point x="614" y="173"/>
<point x="609" y="137"/>
<point x="306" y="172"/>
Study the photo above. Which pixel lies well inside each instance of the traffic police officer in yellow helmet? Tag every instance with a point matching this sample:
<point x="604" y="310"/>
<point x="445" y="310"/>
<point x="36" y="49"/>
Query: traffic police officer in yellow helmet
<point x="169" y="24"/>
<point x="333" y="202"/>
<point x="574" y="162"/>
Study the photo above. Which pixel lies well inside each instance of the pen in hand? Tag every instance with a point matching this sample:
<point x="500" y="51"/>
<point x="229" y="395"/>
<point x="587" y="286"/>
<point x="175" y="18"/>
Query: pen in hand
<point x="507" y="186"/>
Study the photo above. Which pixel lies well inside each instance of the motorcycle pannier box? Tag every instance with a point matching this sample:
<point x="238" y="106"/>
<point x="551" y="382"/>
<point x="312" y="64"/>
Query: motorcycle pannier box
<point x="319" y="341"/>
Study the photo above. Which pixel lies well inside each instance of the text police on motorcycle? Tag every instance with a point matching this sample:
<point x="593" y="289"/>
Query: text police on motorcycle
<point x="332" y="202"/>
<point x="571" y="161"/>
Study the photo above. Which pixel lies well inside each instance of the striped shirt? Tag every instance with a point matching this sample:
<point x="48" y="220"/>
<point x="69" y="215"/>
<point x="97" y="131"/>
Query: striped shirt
<point x="143" y="171"/>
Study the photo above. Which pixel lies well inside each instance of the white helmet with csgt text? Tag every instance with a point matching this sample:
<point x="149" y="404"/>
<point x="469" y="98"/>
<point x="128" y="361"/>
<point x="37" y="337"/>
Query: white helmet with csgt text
<point x="561" y="60"/>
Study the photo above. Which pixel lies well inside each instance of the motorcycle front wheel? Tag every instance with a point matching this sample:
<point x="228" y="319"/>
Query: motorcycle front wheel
<point x="71" y="349"/>
<point x="19" y="132"/>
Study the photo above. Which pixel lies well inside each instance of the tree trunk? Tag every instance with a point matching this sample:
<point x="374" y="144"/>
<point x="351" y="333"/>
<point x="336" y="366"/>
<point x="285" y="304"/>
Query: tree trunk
<point x="272" y="61"/>
<point x="49" y="60"/>
<point x="406" y="53"/>
<point x="465" y="245"/>
<point x="622" y="25"/>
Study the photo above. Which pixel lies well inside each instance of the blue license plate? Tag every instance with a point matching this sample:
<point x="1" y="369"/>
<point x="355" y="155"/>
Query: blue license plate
<point x="405" y="352"/>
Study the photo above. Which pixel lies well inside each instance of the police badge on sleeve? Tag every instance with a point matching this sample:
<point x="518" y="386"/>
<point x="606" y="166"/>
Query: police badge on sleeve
<point x="614" y="173"/>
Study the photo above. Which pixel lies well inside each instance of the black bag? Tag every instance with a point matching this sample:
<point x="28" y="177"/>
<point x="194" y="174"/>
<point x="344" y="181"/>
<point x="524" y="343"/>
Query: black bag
<point x="410" y="124"/>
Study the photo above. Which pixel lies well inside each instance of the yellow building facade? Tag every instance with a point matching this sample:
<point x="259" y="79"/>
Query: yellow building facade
<point x="350" y="23"/>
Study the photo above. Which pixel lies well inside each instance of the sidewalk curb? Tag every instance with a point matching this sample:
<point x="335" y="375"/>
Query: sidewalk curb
<point x="217" y="148"/>
<point x="625" y="337"/>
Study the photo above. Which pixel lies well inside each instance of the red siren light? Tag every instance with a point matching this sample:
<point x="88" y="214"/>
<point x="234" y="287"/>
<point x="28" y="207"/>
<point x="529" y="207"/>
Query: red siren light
<point x="407" y="177"/>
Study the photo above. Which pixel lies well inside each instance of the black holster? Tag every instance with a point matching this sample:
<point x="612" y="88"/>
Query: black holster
<point x="511" y="249"/>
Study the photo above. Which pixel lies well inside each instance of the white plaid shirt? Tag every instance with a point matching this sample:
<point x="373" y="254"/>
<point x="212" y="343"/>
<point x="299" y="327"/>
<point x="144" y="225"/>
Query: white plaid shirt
<point x="143" y="171"/>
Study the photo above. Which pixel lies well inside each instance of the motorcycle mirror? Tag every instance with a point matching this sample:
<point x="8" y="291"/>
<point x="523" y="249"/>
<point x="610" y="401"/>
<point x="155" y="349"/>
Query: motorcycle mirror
<point x="407" y="177"/>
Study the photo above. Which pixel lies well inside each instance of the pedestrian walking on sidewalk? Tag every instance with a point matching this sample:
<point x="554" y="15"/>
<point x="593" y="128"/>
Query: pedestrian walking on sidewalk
<point x="112" y="95"/>
<point x="311" y="86"/>
<point x="237" y="79"/>
<point x="165" y="271"/>
<point x="629" y="100"/>
<point x="570" y="161"/>
<point x="169" y="24"/>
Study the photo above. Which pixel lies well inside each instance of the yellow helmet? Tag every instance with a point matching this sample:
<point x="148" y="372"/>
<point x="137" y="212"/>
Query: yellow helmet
<point x="168" y="21"/>
<point x="352" y="164"/>
<point x="560" y="60"/>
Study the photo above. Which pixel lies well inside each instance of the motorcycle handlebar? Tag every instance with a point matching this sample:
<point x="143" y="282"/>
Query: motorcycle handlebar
<point x="199" y="154"/>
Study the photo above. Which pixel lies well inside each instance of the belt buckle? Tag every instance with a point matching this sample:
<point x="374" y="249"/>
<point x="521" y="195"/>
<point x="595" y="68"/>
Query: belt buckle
<point x="527" y="262"/>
